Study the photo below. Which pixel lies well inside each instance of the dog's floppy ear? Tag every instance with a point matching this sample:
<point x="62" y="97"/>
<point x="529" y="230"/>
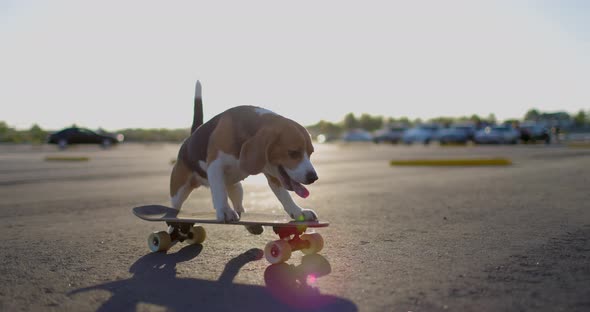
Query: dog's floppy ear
<point x="254" y="152"/>
<point x="308" y="143"/>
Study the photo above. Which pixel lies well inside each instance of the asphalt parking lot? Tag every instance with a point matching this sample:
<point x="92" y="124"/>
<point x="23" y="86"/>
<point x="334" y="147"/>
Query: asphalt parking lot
<point x="497" y="238"/>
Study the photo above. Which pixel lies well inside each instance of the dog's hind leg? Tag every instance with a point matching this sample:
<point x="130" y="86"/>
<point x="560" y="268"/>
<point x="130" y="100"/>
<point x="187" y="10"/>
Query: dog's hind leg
<point x="182" y="183"/>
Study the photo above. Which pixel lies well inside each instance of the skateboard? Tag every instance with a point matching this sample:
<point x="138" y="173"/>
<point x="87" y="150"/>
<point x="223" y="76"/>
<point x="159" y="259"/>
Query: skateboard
<point x="182" y="228"/>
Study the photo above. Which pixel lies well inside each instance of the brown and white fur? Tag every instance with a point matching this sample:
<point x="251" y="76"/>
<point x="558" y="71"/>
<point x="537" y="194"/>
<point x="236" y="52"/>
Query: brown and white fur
<point x="243" y="141"/>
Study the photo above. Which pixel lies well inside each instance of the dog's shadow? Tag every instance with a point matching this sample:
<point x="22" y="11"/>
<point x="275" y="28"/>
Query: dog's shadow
<point x="154" y="281"/>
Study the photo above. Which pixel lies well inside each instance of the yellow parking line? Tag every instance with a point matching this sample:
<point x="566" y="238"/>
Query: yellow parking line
<point x="67" y="158"/>
<point x="453" y="162"/>
<point x="579" y="145"/>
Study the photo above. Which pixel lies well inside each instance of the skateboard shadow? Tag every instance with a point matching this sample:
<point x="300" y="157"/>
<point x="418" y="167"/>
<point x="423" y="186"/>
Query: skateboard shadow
<point x="154" y="281"/>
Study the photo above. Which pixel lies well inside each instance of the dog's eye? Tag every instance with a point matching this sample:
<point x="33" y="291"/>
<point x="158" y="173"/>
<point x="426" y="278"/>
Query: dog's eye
<point x="294" y="154"/>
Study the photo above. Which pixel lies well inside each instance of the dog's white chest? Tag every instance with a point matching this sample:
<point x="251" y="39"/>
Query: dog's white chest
<point x="232" y="173"/>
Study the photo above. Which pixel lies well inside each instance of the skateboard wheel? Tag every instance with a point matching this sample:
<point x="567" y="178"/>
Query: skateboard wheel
<point x="198" y="234"/>
<point x="255" y="229"/>
<point x="159" y="241"/>
<point x="316" y="243"/>
<point x="277" y="252"/>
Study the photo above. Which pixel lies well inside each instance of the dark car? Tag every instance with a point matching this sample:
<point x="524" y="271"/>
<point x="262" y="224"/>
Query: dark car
<point x="77" y="135"/>
<point x="534" y="132"/>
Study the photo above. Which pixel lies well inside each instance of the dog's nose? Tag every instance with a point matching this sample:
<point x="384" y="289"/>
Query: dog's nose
<point x="311" y="177"/>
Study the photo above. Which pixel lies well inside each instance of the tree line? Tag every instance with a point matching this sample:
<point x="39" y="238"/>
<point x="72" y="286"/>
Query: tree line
<point x="368" y="122"/>
<point x="33" y="135"/>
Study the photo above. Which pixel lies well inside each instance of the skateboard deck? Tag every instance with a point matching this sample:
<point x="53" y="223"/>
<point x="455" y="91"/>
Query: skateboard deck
<point x="167" y="214"/>
<point x="181" y="228"/>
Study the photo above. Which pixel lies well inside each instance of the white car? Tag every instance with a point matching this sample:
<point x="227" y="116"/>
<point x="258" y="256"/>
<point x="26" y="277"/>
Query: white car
<point x="497" y="134"/>
<point x="420" y="134"/>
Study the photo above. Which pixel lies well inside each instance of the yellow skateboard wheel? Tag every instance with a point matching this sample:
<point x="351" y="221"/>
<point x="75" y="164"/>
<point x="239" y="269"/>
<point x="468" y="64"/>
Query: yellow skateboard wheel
<point x="159" y="241"/>
<point x="198" y="235"/>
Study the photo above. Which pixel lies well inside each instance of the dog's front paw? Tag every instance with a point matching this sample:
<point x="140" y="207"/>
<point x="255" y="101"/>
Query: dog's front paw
<point x="240" y="210"/>
<point x="305" y="215"/>
<point x="227" y="215"/>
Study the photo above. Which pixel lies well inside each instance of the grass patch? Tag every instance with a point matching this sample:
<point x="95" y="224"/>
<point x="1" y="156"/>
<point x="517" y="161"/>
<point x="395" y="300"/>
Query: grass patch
<point x="453" y="162"/>
<point x="67" y="158"/>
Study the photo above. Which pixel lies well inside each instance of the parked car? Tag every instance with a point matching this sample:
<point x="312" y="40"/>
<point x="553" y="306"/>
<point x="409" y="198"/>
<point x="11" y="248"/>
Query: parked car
<point x="357" y="135"/>
<point x="533" y="132"/>
<point x="455" y="134"/>
<point x="420" y="134"/>
<point x="497" y="134"/>
<point x="470" y="129"/>
<point x="75" y="135"/>
<point x="390" y="134"/>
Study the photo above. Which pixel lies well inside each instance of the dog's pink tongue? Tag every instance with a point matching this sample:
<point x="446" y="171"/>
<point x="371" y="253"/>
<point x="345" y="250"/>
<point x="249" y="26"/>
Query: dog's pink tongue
<point x="300" y="189"/>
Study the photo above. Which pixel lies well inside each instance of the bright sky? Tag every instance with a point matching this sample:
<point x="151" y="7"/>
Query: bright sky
<point x="120" y="64"/>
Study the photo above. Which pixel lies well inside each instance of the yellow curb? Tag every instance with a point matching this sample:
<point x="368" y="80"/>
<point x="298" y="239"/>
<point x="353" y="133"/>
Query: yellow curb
<point x="579" y="144"/>
<point x="67" y="158"/>
<point x="453" y="162"/>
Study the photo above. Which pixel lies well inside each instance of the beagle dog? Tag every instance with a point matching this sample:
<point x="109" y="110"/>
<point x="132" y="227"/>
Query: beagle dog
<point x="243" y="141"/>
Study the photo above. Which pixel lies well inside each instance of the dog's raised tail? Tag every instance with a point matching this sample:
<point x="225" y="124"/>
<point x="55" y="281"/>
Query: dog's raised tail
<point x="198" y="113"/>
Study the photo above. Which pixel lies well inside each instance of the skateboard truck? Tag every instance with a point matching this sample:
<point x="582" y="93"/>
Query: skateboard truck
<point x="296" y="242"/>
<point x="179" y="231"/>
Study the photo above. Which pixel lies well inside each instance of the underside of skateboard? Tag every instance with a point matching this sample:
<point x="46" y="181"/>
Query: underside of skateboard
<point x="278" y="251"/>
